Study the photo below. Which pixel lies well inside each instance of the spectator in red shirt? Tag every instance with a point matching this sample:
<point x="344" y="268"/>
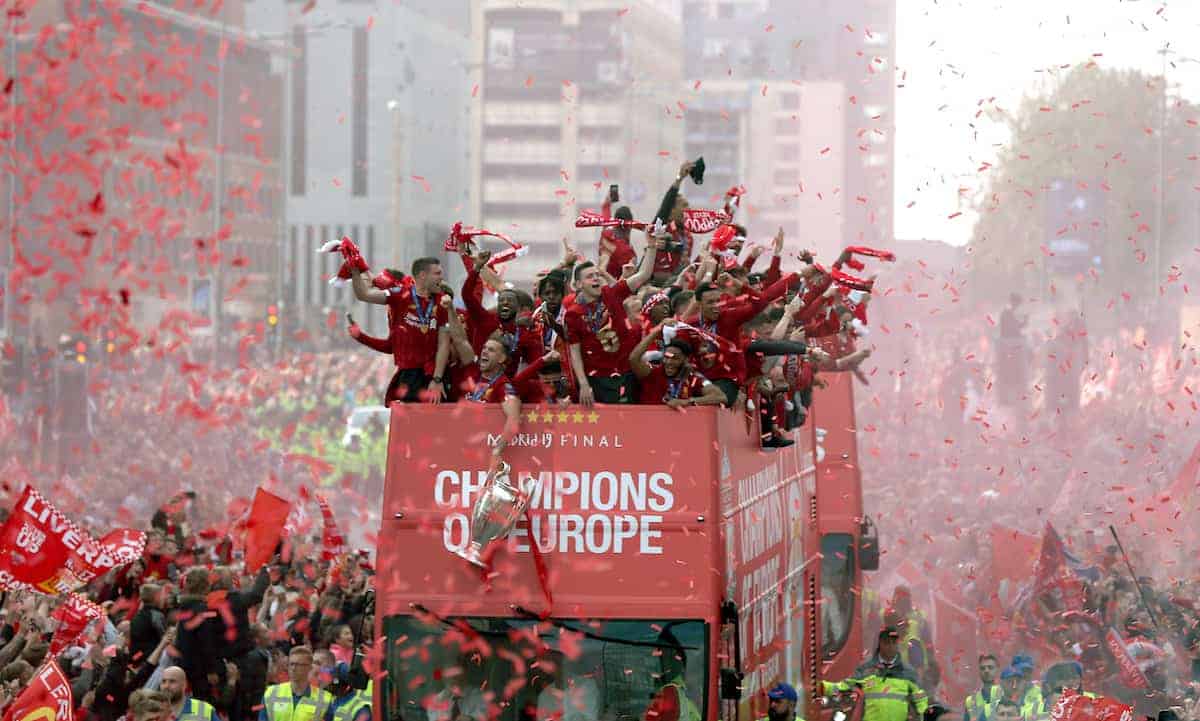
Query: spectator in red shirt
<point x="615" y="248"/>
<point x="417" y="330"/>
<point x="725" y="319"/>
<point x="487" y="382"/>
<point x="673" y="382"/>
<point x="599" y="332"/>
<point x="485" y="323"/>
<point x="558" y="382"/>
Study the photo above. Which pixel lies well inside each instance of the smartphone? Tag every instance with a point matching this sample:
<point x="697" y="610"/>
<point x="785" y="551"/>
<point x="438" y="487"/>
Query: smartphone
<point x="614" y="193"/>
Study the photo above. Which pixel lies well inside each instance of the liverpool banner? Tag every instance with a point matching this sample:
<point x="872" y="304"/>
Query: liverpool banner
<point x="40" y="548"/>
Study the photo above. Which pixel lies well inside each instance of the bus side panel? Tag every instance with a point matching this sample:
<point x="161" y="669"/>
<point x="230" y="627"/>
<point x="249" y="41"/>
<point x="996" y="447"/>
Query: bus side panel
<point x="762" y="502"/>
<point x="839" y="511"/>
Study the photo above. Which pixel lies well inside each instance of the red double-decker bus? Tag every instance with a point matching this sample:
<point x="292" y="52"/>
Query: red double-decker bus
<point x="661" y="534"/>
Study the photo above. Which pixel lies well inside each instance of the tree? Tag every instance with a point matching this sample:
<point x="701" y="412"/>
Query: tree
<point x="1094" y="128"/>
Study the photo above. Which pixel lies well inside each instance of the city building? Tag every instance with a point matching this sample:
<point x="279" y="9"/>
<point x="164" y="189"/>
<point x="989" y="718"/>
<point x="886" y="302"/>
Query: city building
<point x="379" y="107"/>
<point x="795" y="100"/>
<point x="184" y="180"/>
<point x="574" y="96"/>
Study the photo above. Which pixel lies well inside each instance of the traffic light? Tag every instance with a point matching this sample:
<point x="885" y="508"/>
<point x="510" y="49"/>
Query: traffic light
<point x="272" y="315"/>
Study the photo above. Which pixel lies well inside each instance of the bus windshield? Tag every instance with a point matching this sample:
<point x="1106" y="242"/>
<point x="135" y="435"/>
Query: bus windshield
<point x="510" y="669"/>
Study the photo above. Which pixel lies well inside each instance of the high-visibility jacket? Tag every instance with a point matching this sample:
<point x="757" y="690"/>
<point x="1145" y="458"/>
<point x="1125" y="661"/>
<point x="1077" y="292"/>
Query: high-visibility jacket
<point x="982" y="704"/>
<point x="687" y="709"/>
<point x="1031" y="703"/>
<point x="196" y="710"/>
<point x="279" y="705"/>
<point x="888" y="692"/>
<point x="350" y="708"/>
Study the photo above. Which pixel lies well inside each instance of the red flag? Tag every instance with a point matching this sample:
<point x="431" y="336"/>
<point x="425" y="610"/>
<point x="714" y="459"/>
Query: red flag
<point x="1131" y="675"/>
<point x="332" y="542"/>
<point x="73" y="617"/>
<point x="1073" y="706"/>
<point x="43" y="549"/>
<point x="1054" y="577"/>
<point x="1014" y="560"/>
<point x="264" y="528"/>
<point x="46" y="698"/>
<point x="954" y="637"/>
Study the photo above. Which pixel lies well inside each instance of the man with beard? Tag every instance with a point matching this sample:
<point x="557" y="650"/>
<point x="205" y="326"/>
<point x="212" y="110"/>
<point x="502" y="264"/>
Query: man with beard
<point x="673" y="382"/>
<point x="417" y="330"/>
<point x="889" y="687"/>
<point x="783" y="699"/>
<point x="484" y="323"/>
<point x="184" y="707"/>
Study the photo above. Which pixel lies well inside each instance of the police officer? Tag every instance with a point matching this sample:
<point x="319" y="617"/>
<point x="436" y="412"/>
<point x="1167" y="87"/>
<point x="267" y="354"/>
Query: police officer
<point x="782" y="700"/>
<point x="349" y="703"/>
<point x="889" y="687"/>
<point x="980" y="705"/>
<point x="1030" y="696"/>
<point x="298" y="699"/>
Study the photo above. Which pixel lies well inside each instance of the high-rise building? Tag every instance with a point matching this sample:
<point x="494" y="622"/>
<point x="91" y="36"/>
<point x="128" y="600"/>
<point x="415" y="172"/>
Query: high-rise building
<point x="183" y="171"/>
<point x="575" y="95"/>
<point x="379" y="110"/>
<point x="796" y="101"/>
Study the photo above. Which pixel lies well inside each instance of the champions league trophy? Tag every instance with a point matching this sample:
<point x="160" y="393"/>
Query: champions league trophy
<point x="496" y="511"/>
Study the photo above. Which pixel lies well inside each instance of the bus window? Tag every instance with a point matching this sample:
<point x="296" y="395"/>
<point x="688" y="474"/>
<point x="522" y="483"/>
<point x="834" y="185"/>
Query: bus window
<point x="837" y="591"/>
<point x="569" y="669"/>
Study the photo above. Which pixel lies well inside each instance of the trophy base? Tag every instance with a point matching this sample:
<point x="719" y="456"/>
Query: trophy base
<point x="470" y="554"/>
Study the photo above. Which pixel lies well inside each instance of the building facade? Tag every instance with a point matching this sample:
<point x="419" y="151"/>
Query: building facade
<point x="574" y="96"/>
<point x="796" y="101"/>
<point x="378" y="110"/>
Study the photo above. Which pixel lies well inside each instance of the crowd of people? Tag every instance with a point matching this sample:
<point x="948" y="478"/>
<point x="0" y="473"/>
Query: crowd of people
<point x="681" y="319"/>
<point x="688" y="322"/>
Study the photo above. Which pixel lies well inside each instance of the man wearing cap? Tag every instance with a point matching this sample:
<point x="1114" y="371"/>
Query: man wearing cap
<point x="1030" y="693"/>
<point x="783" y="700"/>
<point x="1010" y="684"/>
<point x="889" y="687"/>
<point x="980" y="705"/>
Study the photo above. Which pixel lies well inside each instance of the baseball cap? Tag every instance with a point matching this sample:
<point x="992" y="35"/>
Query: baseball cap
<point x="1009" y="672"/>
<point x="783" y="692"/>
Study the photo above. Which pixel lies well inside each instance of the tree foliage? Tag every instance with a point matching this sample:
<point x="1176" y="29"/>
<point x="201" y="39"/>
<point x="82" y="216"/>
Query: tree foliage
<point x="1093" y="127"/>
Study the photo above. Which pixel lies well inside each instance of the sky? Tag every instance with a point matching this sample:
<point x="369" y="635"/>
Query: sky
<point x="952" y="54"/>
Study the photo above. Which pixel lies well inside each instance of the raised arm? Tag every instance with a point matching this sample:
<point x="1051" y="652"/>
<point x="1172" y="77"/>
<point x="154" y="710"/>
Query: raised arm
<point x="636" y="360"/>
<point x="668" y="202"/>
<point x="364" y="291"/>
<point x="458" y="334"/>
<point x="646" y="269"/>
<point x="382" y="345"/>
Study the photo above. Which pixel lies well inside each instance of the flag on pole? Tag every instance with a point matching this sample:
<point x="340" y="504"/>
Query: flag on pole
<point x="264" y="527"/>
